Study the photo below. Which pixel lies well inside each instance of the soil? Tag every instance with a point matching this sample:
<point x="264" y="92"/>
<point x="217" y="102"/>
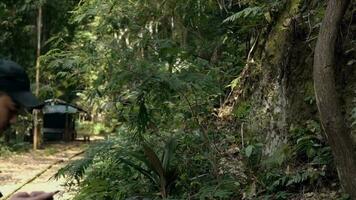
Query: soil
<point x="18" y="169"/>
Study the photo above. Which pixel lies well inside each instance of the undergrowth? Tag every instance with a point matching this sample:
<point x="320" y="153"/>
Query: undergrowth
<point x="181" y="168"/>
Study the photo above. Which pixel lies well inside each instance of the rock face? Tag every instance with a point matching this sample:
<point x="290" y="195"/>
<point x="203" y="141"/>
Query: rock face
<point x="277" y="85"/>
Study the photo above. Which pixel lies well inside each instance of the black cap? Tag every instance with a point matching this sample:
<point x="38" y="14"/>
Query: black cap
<point x="15" y="82"/>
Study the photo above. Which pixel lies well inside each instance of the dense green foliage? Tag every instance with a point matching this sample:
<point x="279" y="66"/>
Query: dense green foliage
<point x="153" y="74"/>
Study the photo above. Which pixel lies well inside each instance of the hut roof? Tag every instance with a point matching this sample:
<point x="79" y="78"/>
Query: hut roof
<point x="60" y="106"/>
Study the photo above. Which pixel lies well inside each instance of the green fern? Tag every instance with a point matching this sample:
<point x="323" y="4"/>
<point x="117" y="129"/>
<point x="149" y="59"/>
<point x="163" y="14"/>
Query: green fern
<point x="353" y="116"/>
<point x="75" y="171"/>
<point x="249" y="12"/>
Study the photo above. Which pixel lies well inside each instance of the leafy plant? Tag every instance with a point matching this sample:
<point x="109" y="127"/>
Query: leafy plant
<point x="88" y="172"/>
<point x="252" y="12"/>
<point x="75" y="171"/>
<point x="279" y="157"/>
<point x="310" y="145"/>
<point x="281" y="181"/>
<point x="253" y="153"/>
<point x="5" y="150"/>
<point x="353" y="116"/>
<point x="224" y="189"/>
<point x="159" y="171"/>
<point x="242" y="110"/>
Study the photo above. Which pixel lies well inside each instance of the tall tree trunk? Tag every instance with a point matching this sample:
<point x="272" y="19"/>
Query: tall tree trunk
<point x="37" y="134"/>
<point x="329" y="105"/>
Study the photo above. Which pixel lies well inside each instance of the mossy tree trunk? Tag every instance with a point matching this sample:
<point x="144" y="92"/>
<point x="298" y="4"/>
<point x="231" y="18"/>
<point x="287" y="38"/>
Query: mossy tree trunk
<point x="329" y="105"/>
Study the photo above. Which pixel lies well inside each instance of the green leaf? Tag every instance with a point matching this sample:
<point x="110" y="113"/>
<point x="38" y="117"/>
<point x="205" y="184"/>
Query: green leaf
<point x="247" y="12"/>
<point x="157" y="167"/>
<point x="139" y="169"/>
<point x="249" y="150"/>
<point x="168" y="153"/>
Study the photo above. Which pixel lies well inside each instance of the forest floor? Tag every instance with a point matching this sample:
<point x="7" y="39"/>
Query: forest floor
<point x="33" y="170"/>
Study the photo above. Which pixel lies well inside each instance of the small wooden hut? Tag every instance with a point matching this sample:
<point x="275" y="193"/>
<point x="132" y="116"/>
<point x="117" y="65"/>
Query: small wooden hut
<point x="59" y="120"/>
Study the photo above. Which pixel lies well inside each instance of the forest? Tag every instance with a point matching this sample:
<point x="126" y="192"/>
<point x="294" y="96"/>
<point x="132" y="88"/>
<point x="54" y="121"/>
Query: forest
<point x="196" y="99"/>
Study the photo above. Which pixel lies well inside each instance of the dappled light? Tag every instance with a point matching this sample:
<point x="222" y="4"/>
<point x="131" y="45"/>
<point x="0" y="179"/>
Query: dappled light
<point x="178" y="99"/>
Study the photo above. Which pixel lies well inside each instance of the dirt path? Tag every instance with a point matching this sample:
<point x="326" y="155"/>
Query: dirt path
<point x="16" y="170"/>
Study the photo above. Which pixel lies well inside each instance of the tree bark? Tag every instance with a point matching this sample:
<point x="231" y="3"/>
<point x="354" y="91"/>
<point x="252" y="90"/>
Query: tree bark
<point x="36" y="130"/>
<point x="328" y="102"/>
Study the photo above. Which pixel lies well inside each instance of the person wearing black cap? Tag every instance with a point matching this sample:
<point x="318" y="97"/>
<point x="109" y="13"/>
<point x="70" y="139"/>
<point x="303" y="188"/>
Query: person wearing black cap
<point x="15" y="94"/>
